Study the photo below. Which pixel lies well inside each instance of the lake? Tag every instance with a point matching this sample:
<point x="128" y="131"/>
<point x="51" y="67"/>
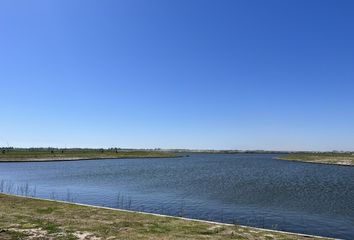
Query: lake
<point x="249" y="189"/>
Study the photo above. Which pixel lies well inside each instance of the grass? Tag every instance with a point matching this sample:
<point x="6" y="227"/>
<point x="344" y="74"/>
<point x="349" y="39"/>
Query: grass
<point x="48" y="154"/>
<point x="325" y="158"/>
<point x="25" y="218"/>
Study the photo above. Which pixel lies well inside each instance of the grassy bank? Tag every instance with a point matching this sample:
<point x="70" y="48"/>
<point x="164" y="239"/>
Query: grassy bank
<point x="325" y="158"/>
<point x="16" y="155"/>
<point x="24" y="218"/>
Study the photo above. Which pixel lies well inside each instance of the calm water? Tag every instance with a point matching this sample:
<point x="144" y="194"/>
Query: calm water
<point x="254" y="190"/>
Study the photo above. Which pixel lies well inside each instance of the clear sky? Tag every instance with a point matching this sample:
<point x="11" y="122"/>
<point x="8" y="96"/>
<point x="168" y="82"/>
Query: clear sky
<point x="275" y="75"/>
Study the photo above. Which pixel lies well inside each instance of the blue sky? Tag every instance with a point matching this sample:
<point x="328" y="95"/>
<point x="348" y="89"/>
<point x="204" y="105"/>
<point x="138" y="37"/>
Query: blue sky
<point x="275" y="75"/>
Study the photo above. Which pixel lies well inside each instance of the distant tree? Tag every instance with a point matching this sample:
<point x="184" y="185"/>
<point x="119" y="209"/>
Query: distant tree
<point x="3" y="151"/>
<point x="51" y="151"/>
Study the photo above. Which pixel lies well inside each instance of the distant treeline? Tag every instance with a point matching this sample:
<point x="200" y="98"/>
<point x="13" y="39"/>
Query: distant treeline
<point x="117" y="149"/>
<point x="257" y="151"/>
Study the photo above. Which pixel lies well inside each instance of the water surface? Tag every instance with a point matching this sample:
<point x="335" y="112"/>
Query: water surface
<point x="249" y="189"/>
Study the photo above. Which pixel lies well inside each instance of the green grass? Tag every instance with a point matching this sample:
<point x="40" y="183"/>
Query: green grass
<point x="24" y="218"/>
<point x="325" y="158"/>
<point x="74" y="154"/>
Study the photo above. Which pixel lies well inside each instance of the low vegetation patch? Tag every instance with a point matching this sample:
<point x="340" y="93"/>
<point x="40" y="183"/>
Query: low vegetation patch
<point x="24" y="218"/>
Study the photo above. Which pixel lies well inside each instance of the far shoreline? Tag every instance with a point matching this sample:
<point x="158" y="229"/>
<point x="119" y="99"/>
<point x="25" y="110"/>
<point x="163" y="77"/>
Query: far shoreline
<point x="323" y="159"/>
<point x="12" y="155"/>
<point x="32" y="160"/>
